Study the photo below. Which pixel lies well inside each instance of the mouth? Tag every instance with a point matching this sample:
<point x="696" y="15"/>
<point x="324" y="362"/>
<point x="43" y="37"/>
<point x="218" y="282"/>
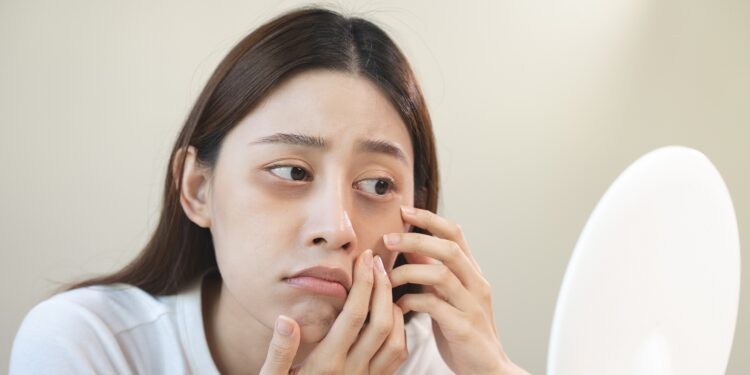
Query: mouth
<point x="329" y="281"/>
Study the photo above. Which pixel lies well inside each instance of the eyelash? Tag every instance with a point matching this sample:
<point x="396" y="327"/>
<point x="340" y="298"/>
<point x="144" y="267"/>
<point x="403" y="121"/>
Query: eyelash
<point x="392" y="184"/>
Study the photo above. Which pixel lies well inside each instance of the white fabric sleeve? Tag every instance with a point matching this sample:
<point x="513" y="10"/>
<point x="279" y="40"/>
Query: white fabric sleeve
<point x="59" y="336"/>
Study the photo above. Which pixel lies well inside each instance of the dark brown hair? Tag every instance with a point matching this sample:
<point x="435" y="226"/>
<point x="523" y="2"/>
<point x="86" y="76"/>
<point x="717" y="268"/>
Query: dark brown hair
<point x="309" y="38"/>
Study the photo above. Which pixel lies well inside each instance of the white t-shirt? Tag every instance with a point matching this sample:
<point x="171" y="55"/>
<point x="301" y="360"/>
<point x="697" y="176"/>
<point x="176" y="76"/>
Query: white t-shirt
<point x="121" y="329"/>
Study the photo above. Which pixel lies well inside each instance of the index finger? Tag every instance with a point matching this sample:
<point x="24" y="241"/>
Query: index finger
<point x="440" y="227"/>
<point x="345" y="329"/>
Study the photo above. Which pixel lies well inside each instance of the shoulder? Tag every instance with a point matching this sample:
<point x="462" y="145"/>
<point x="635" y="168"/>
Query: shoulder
<point x="116" y="307"/>
<point x="83" y="327"/>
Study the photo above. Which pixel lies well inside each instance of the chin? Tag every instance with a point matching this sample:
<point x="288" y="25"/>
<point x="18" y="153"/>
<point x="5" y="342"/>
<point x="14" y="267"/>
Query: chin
<point x="313" y="334"/>
<point x="314" y="324"/>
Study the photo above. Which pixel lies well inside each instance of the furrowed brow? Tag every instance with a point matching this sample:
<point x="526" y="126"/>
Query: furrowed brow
<point x="377" y="146"/>
<point x="293" y="139"/>
<point x="382" y="147"/>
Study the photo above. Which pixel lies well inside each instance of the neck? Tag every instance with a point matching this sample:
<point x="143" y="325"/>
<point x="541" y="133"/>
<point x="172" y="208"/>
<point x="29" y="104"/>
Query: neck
<point x="237" y="340"/>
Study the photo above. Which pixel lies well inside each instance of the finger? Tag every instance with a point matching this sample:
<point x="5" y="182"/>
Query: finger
<point x="393" y="353"/>
<point x="440" y="227"/>
<point x="443" y="250"/>
<point x="445" y="283"/>
<point x="283" y="347"/>
<point x="346" y="328"/>
<point x="453" y="323"/>
<point x="380" y="324"/>
<point x="415" y="258"/>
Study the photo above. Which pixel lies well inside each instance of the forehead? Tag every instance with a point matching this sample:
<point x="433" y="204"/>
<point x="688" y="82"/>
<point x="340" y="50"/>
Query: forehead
<point x="337" y="106"/>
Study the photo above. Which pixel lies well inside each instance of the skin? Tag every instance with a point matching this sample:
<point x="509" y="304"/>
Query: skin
<point x="266" y="227"/>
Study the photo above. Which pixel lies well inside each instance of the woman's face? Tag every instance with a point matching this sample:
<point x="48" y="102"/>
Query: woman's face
<point x="315" y="175"/>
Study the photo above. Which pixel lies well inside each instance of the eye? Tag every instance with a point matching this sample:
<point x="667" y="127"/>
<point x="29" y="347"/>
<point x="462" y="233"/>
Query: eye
<point x="290" y="172"/>
<point x="378" y="186"/>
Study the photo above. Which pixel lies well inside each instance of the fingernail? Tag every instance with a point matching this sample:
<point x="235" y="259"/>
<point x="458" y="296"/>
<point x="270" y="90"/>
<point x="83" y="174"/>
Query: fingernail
<point x="379" y="264"/>
<point x="284" y="326"/>
<point x="408" y="210"/>
<point x="368" y="258"/>
<point x="391" y="239"/>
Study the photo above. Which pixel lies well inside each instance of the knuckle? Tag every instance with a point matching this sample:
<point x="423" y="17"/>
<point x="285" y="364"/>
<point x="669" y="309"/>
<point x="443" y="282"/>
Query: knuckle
<point x="485" y="290"/>
<point x="443" y="273"/>
<point x="462" y="337"/>
<point x="357" y="317"/>
<point x="279" y="351"/>
<point x="405" y="301"/>
<point x="396" y="347"/>
<point x="463" y="330"/>
<point x="360" y="314"/>
<point x="458" y="231"/>
<point x="403" y="354"/>
<point x="429" y="219"/>
<point x="417" y="240"/>
<point x="367" y="287"/>
<point x="394" y="352"/>
<point x="453" y="249"/>
<point x="382" y="326"/>
<point x="381" y="329"/>
<point x="367" y="280"/>
<point x="364" y="283"/>
<point x="397" y="310"/>
<point x="398" y="344"/>
<point x="453" y="229"/>
<point x="398" y="356"/>
<point x="277" y="359"/>
<point x="368" y="284"/>
<point x="476" y="315"/>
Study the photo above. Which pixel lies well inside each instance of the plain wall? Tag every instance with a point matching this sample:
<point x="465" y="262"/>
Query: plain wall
<point x="537" y="106"/>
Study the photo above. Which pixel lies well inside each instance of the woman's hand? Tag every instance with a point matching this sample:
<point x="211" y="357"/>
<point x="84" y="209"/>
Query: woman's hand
<point x="351" y="346"/>
<point x="458" y="298"/>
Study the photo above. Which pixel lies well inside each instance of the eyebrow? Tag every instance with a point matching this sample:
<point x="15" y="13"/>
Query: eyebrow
<point x="377" y="146"/>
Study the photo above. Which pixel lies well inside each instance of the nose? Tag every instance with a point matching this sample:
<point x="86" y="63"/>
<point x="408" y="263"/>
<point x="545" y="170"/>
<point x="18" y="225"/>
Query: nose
<point x="329" y="225"/>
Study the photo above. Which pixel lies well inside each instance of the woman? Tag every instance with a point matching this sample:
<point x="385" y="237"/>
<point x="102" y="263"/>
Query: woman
<point x="296" y="233"/>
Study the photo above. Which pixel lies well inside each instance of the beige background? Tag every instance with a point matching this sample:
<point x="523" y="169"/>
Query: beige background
<point x="538" y="105"/>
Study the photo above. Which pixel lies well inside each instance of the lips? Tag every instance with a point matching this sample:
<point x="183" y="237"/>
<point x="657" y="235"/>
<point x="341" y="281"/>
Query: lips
<point x="329" y="281"/>
<point x="333" y="274"/>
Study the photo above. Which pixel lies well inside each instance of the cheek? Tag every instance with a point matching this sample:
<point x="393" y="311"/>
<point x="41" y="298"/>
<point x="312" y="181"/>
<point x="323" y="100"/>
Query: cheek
<point x="247" y="206"/>
<point x="374" y="225"/>
<point x="246" y="245"/>
<point x="244" y="225"/>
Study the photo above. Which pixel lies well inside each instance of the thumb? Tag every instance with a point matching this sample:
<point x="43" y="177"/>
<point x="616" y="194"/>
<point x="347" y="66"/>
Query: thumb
<point x="283" y="347"/>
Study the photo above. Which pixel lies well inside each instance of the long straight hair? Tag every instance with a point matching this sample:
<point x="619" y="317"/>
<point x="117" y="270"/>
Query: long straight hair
<point x="179" y="251"/>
